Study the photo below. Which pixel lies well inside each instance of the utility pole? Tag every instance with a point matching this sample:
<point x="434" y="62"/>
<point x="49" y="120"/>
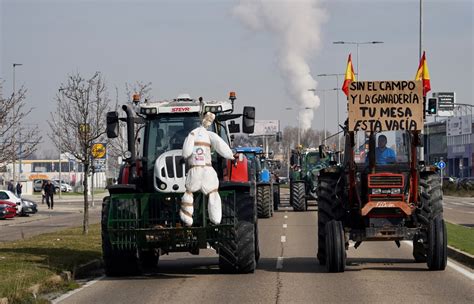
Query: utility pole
<point x="14" y="136"/>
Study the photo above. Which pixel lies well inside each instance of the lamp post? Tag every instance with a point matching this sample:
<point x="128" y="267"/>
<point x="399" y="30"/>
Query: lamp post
<point x="14" y="142"/>
<point x="337" y="104"/>
<point x="357" y="43"/>
<point x="324" y="107"/>
<point x="298" y="120"/>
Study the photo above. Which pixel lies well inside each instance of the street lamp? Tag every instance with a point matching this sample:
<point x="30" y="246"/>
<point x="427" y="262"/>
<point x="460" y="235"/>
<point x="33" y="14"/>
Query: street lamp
<point x="357" y="44"/>
<point x="14" y="142"/>
<point x="324" y="107"/>
<point x="337" y="103"/>
<point x="298" y="120"/>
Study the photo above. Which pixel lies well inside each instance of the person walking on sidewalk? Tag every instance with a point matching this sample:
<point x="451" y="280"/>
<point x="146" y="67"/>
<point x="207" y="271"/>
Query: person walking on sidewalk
<point x="19" y="188"/>
<point x="49" y="192"/>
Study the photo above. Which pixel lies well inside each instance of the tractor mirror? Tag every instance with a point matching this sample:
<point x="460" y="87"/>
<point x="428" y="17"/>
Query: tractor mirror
<point x="112" y="124"/>
<point x="248" y="120"/>
<point x="233" y="127"/>
<point x="322" y="153"/>
<point x="278" y="136"/>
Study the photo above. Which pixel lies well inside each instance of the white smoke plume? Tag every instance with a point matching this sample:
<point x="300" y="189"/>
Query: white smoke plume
<point x="296" y="25"/>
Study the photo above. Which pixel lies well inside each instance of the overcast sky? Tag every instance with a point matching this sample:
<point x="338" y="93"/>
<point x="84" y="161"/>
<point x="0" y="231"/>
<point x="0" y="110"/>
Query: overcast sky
<point x="203" y="48"/>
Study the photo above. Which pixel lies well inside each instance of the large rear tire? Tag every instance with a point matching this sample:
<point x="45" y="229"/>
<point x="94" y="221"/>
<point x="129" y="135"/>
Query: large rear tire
<point x="431" y="207"/>
<point x="238" y="255"/>
<point x="116" y="262"/>
<point x="264" y="201"/>
<point x="335" y="247"/>
<point x="437" y="257"/>
<point x="329" y="208"/>
<point x="298" y="196"/>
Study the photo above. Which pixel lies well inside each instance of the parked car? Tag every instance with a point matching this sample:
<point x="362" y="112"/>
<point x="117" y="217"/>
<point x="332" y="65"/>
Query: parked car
<point x="7" y="210"/>
<point x="28" y="207"/>
<point x="38" y="184"/>
<point x="6" y="195"/>
<point x="65" y="187"/>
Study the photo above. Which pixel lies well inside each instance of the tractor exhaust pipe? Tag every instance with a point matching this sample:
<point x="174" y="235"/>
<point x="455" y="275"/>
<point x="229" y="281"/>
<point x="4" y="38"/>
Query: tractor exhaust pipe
<point x="130" y="133"/>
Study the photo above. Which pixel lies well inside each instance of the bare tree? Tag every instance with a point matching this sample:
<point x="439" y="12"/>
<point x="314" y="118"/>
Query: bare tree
<point x="79" y="122"/>
<point x="117" y="147"/>
<point x="16" y="139"/>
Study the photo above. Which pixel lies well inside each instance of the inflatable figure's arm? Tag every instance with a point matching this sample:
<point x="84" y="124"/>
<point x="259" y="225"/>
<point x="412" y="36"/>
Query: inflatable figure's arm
<point x="220" y="145"/>
<point x="188" y="145"/>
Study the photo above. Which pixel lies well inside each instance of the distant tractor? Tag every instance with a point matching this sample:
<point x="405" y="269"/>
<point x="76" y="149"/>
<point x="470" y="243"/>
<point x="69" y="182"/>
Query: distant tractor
<point x="382" y="191"/>
<point x="140" y="218"/>
<point x="305" y="167"/>
<point x="264" y="178"/>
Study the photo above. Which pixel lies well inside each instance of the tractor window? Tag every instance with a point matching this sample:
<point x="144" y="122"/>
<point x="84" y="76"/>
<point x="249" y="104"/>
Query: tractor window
<point x="166" y="132"/>
<point x="390" y="148"/>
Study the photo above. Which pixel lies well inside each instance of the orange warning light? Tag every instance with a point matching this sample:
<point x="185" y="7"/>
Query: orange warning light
<point x="232" y="95"/>
<point x="136" y="98"/>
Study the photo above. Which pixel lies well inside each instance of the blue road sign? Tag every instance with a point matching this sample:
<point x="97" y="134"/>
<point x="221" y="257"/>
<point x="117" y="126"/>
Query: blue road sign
<point x="441" y="165"/>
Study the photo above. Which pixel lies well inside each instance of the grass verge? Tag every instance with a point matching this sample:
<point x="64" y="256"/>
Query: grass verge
<point x="461" y="237"/>
<point x="35" y="261"/>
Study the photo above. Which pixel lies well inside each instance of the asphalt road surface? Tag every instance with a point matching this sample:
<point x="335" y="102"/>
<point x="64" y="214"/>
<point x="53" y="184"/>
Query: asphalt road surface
<point x="289" y="272"/>
<point x="459" y="210"/>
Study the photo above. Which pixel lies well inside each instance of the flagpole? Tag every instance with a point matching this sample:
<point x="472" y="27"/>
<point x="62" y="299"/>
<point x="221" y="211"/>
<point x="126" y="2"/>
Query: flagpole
<point x="422" y="150"/>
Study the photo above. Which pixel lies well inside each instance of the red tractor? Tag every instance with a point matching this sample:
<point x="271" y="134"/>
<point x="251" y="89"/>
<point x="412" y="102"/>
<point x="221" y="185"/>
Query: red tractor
<point x="381" y="191"/>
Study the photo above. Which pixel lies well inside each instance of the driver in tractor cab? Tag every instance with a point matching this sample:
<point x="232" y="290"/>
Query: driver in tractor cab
<point x="177" y="140"/>
<point x="383" y="154"/>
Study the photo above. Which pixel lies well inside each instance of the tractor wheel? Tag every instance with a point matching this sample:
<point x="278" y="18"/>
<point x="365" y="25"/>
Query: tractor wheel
<point x="431" y="206"/>
<point x="116" y="262"/>
<point x="437" y="244"/>
<point x="148" y="259"/>
<point x="419" y="251"/>
<point x="238" y="255"/>
<point x="276" y="196"/>
<point x="335" y="247"/>
<point x="264" y="201"/>
<point x="329" y="208"/>
<point x="298" y="196"/>
<point x="257" y="245"/>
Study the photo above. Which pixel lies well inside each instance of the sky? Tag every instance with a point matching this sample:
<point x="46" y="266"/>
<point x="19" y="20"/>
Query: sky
<point x="205" y="48"/>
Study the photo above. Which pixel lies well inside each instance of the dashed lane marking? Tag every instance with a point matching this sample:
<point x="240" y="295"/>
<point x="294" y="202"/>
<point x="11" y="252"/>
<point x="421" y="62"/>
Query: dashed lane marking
<point x="283" y="238"/>
<point x="286" y="216"/>
<point x="279" y="264"/>
<point x="285" y="226"/>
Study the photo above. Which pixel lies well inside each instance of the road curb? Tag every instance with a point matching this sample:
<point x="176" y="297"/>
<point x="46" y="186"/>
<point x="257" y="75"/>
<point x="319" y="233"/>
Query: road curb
<point x="461" y="257"/>
<point x="86" y="268"/>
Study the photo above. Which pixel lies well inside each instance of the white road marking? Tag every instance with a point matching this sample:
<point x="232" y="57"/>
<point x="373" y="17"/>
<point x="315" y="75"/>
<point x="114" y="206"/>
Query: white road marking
<point x="285" y="226"/>
<point x="283" y="238"/>
<point x="448" y="208"/>
<point x="468" y="274"/>
<point x="286" y="216"/>
<point x="67" y="295"/>
<point x="279" y="264"/>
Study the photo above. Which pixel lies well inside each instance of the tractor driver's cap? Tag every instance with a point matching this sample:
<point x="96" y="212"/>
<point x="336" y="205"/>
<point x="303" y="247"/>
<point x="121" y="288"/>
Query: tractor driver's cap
<point x="208" y="119"/>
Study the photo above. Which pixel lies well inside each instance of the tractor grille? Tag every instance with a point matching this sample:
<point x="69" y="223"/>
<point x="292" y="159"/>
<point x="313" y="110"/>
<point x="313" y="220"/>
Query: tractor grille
<point x="386" y="198"/>
<point x="385" y="180"/>
<point x="175" y="167"/>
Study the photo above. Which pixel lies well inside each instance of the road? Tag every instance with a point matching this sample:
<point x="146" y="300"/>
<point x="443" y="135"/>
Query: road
<point x="459" y="210"/>
<point x="67" y="213"/>
<point x="288" y="272"/>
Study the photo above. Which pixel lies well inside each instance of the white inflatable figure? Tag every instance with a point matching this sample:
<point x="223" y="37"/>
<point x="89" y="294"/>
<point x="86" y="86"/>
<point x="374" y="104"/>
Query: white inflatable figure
<point x="201" y="176"/>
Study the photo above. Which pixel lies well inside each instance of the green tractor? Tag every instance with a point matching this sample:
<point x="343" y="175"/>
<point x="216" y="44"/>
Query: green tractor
<point x="304" y="172"/>
<point x="140" y="218"/>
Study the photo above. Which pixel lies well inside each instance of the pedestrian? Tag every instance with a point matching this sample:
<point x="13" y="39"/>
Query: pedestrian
<point x="43" y="195"/>
<point x="49" y="192"/>
<point x="10" y="187"/>
<point x="19" y="188"/>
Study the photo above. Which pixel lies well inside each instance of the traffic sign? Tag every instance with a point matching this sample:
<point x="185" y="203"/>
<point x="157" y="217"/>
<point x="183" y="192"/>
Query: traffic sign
<point x="98" y="150"/>
<point x="441" y="165"/>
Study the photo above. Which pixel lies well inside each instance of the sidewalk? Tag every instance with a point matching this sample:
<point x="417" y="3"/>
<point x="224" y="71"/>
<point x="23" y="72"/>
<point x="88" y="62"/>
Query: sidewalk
<point x="65" y="198"/>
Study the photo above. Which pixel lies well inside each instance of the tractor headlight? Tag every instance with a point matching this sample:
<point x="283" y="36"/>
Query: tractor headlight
<point x="127" y="154"/>
<point x="376" y="191"/>
<point x="395" y="191"/>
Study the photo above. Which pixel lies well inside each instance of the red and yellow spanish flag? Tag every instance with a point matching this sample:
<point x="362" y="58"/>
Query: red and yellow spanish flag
<point x="350" y="76"/>
<point x="423" y="74"/>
